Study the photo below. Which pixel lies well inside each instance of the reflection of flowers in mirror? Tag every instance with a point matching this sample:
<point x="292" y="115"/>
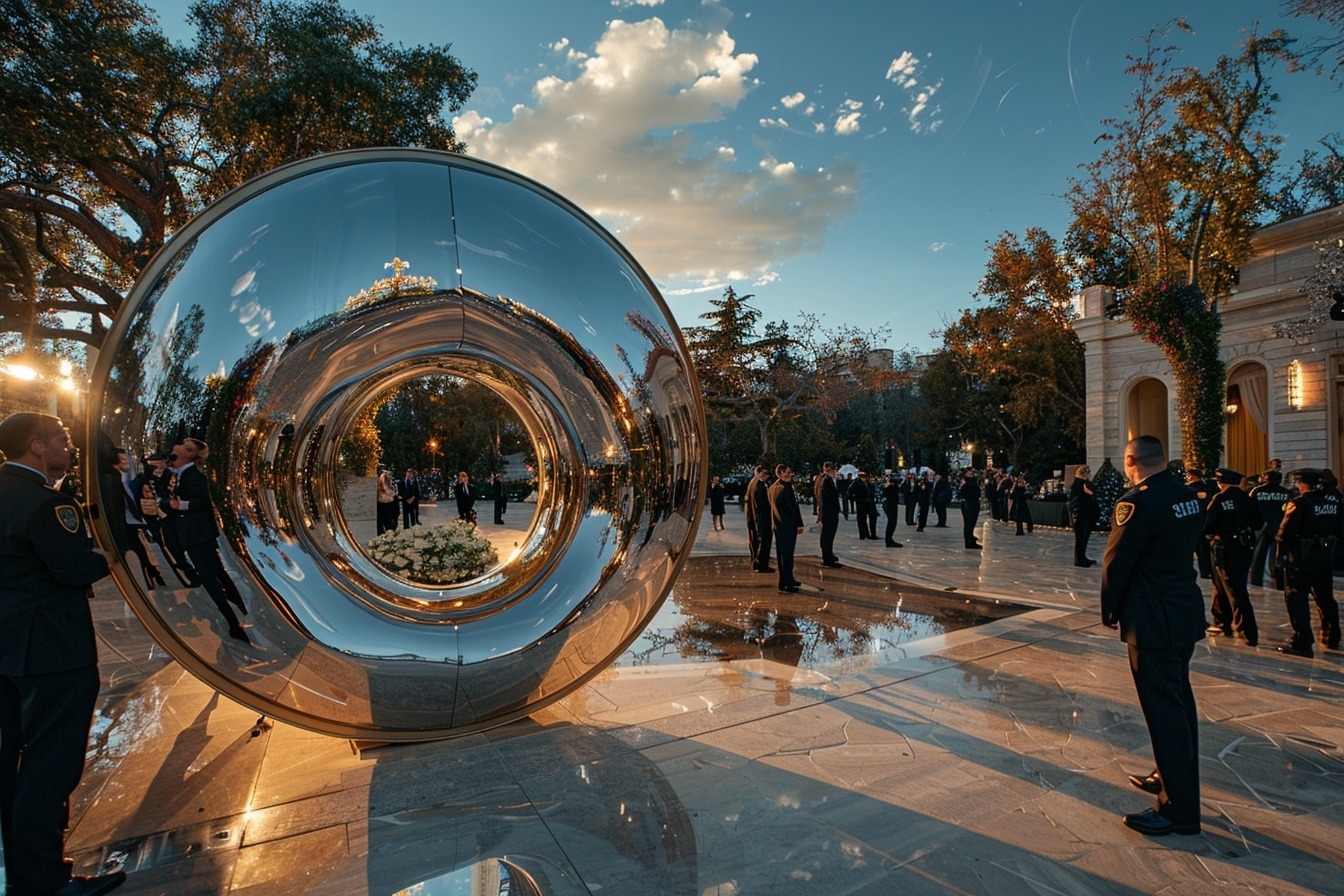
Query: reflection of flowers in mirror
<point x="439" y="555"/>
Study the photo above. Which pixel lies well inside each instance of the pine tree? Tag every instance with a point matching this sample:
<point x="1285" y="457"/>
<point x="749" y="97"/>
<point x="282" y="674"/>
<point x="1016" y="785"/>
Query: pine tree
<point x="1109" y="485"/>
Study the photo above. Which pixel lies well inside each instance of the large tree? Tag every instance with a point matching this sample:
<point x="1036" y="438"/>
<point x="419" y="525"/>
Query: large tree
<point x="1171" y="203"/>
<point x="112" y="136"/>
<point x="768" y="376"/>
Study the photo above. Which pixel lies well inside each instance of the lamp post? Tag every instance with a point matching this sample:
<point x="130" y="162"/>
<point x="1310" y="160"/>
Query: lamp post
<point x="434" y="453"/>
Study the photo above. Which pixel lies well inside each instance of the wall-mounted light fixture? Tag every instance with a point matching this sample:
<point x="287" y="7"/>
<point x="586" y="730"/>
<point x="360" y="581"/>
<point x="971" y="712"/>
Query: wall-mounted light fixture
<point x="1233" y="399"/>
<point x="1295" y="384"/>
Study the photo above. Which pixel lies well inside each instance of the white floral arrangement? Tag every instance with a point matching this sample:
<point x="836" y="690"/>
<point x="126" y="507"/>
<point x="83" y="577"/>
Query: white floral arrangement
<point x="438" y="555"/>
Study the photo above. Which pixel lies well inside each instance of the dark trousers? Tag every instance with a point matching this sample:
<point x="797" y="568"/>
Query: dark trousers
<point x="1231" y="605"/>
<point x="870" y="514"/>
<point x="923" y="515"/>
<point x="909" y="510"/>
<point x="891" y="524"/>
<point x="1266" y="545"/>
<point x="1082" y="533"/>
<point x="210" y="569"/>
<point x="1162" y="680"/>
<point x="763" y="529"/>
<point x="410" y="514"/>
<point x="828" y="530"/>
<point x="386" y="518"/>
<point x="786" y="539"/>
<point x="969" y="517"/>
<point x="44" y="733"/>
<point x="940" y="510"/>
<point x="1314" y="578"/>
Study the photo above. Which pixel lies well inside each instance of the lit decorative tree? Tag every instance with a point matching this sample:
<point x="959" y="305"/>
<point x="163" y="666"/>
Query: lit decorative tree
<point x="1109" y="485"/>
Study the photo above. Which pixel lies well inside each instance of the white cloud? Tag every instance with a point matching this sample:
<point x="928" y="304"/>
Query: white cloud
<point x="939" y="246"/>
<point x="848" y="123"/>
<point x="924" y="116"/>
<point x="625" y="4"/>
<point x="619" y="140"/>
<point x="819" y="127"/>
<point x="773" y="123"/>
<point x="793" y="99"/>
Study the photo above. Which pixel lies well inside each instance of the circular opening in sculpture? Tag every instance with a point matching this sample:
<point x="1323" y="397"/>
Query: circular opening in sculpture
<point x="438" y="481"/>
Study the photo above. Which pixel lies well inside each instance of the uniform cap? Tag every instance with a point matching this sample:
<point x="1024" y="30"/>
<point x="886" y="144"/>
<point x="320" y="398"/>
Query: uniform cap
<point x="1309" y="476"/>
<point x="1227" y="477"/>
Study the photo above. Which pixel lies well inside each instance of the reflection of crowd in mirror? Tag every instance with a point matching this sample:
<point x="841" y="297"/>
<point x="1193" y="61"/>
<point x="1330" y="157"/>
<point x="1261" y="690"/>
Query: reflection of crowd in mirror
<point x="408" y="492"/>
<point x="465" y="494"/>
<point x="126" y="517"/>
<point x="387" y="503"/>
<point x="191" y="533"/>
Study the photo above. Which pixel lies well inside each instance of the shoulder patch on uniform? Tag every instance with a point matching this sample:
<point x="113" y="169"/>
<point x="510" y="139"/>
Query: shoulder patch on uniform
<point x="68" y="517"/>
<point x="1123" y="511"/>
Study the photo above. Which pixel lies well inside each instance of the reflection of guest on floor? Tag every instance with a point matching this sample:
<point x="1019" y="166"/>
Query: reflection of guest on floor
<point x="387" y="503"/>
<point x="408" y="490"/>
<point x="465" y="495"/>
<point x="191" y="524"/>
<point x="783" y="645"/>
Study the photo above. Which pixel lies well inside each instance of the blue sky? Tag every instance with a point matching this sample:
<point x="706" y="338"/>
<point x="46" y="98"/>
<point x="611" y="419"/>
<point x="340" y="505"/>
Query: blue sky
<point x="849" y="158"/>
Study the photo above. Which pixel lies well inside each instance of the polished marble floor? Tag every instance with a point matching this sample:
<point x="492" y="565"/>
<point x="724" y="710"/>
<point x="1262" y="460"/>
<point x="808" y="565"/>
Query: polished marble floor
<point x="831" y="745"/>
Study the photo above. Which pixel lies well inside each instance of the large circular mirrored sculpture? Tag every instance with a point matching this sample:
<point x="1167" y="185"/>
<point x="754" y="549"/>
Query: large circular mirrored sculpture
<point x="272" y="327"/>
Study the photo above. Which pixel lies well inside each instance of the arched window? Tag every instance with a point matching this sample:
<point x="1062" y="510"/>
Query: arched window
<point x="1146" y="411"/>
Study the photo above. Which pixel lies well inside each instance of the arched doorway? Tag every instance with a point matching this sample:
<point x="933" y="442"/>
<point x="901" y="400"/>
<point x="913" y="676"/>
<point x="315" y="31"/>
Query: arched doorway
<point x="1248" y="414"/>
<point x="1146" y="411"/>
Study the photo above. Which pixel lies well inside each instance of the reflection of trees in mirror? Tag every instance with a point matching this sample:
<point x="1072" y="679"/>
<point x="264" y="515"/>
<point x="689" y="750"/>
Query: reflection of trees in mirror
<point x="430" y="420"/>
<point x="440" y="555"/>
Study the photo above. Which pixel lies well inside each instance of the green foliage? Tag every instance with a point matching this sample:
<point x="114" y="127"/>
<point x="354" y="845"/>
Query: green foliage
<point x="1179" y="319"/>
<point x="446" y="422"/>
<point x="112" y="136"/>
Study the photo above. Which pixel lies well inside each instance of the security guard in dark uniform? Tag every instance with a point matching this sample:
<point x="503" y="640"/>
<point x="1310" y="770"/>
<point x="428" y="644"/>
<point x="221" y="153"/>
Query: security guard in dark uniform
<point x="1270" y="498"/>
<point x="1229" y="527"/>
<point x="48" y="658"/>
<point x="1194" y="478"/>
<point x="1150" y="593"/>
<point x="1307" y="536"/>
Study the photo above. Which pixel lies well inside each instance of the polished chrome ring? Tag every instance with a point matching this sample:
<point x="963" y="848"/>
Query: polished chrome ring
<point x="262" y="327"/>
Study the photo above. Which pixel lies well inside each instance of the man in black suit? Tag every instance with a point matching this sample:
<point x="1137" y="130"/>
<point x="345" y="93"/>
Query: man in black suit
<point x="465" y="494"/>
<point x="788" y="523"/>
<point x="969" y="493"/>
<point x="1150" y="593"/>
<point x="408" y="490"/>
<point x="191" y="524"/>
<point x="501" y="499"/>
<point x="48" y="658"/>
<point x="759" y="521"/>
<point x="828" y="512"/>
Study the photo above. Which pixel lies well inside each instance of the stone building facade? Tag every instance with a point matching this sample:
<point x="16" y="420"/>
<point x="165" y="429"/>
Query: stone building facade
<point x="1285" y="392"/>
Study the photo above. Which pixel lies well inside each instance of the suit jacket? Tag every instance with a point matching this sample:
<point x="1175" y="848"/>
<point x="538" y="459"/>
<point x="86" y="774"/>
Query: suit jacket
<point x="942" y="492"/>
<point x="829" y="503"/>
<point x="47" y="564"/>
<point x="1148" y="583"/>
<point x="759" y="503"/>
<point x="784" y="507"/>
<point x="465" y="494"/>
<point x="409" y="491"/>
<point x="195" y="525"/>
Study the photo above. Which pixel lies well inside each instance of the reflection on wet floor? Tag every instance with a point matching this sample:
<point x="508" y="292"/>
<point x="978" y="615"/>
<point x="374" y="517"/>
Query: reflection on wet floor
<point x="721" y="610"/>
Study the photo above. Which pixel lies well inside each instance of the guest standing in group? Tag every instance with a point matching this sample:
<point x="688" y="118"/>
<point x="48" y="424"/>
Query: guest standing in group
<point x="48" y="658"/>
<point x="1083" y="511"/>
<point x="465" y="495"/>
<point x="1149" y="592"/>
<point x="1019" y="511"/>
<point x="969" y="493"/>
<point x="788" y="523"/>
<point x="864" y="501"/>
<point x="828" y="512"/>
<point x="387" y="503"/>
<point x="940" y="495"/>
<point x="923" y="492"/>
<point x="891" y="507"/>
<point x="908" y="491"/>
<point x="501" y="498"/>
<point x="716" y="501"/>
<point x="190" y="524"/>
<point x="759" y="519"/>
<point x="408" y="490"/>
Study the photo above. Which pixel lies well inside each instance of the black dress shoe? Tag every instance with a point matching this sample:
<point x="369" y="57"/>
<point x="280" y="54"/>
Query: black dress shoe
<point x="975" y="547"/>
<point x="1151" y="783"/>
<point x="1290" y="650"/>
<point x="764" y="568"/>
<point x="895" y="544"/>
<point x="1154" y="824"/>
<point x="834" y="564"/>
<point x="789" y="589"/>
<point x="796" y="584"/>
<point x="92" y="886"/>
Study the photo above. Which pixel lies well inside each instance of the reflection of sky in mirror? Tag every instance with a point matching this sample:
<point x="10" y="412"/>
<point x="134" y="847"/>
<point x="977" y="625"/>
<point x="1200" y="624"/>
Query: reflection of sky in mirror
<point x="297" y="252"/>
